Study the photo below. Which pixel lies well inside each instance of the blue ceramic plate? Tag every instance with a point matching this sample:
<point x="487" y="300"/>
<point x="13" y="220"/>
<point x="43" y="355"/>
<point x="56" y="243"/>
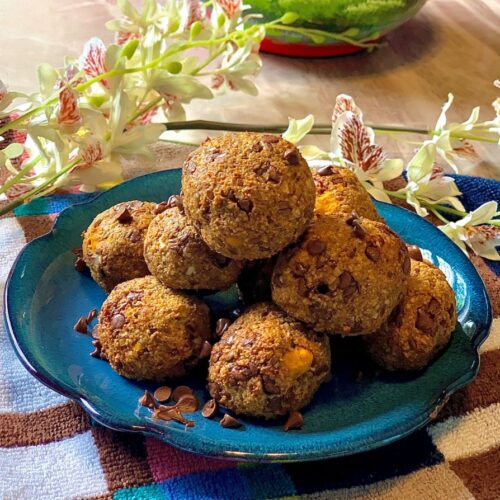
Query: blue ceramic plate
<point x="44" y="296"/>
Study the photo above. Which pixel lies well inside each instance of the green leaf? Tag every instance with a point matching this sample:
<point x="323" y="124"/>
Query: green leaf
<point x="128" y="50"/>
<point x="221" y="20"/>
<point x="289" y="18"/>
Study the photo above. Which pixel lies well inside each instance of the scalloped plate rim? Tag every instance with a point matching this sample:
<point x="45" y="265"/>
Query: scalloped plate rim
<point x="108" y="421"/>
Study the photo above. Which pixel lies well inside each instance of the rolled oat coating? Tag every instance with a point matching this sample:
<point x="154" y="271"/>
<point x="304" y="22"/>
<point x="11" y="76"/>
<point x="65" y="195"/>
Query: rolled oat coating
<point x="249" y="195"/>
<point x="338" y="191"/>
<point x="113" y="243"/>
<point x="150" y="332"/>
<point x="267" y="364"/>
<point x="420" y="326"/>
<point x="344" y="276"/>
<point x="180" y="259"/>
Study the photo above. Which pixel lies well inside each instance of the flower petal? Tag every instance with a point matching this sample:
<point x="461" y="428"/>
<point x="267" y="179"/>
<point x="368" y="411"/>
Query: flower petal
<point x="298" y="129"/>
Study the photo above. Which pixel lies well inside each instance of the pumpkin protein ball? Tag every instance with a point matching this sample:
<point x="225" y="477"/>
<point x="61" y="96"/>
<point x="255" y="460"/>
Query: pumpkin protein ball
<point x="267" y="364"/>
<point x="180" y="259"/>
<point x="150" y="332"/>
<point x="249" y="195"/>
<point x="420" y="326"/>
<point x="338" y="190"/>
<point x="113" y="243"/>
<point x="344" y="276"/>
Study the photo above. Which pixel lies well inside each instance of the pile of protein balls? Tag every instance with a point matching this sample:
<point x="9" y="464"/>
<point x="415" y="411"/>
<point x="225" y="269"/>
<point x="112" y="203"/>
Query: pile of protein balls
<point x="311" y="257"/>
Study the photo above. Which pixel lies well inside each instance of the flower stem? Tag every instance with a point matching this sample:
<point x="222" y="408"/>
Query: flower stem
<point x="313" y="33"/>
<point x="433" y="207"/>
<point x="16" y="178"/>
<point x="31" y="194"/>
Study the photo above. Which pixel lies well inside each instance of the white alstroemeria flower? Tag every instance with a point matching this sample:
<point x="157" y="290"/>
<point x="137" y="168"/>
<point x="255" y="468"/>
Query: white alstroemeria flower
<point x="473" y="231"/>
<point x="426" y="183"/>
<point x="354" y="145"/>
<point x="447" y="138"/>
<point x="106" y="141"/>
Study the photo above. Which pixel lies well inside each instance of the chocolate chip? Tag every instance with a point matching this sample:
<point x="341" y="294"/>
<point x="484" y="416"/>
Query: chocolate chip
<point x="257" y="147"/>
<point x="229" y="422"/>
<point x="323" y="171"/>
<point x="245" y="205"/>
<point x="407" y="265"/>
<point x="171" y="413"/>
<point x="190" y="167"/>
<point x="372" y="252"/>
<point x="95" y="332"/>
<point x="284" y="206"/>
<point x="316" y="247"/>
<point x="134" y="236"/>
<point x="80" y="265"/>
<point x="273" y="175"/>
<point x="240" y="373"/>
<point x="160" y="207"/>
<point x="97" y="352"/>
<point x="187" y="403"/>
<point x="424" y="321"/>
<point x="81" y="325"/>
<point x="295" y="421"/>
<point x="179" y="244"/>
<point x="357" y="229"/>
<point x="270" y="139"/>
<point x="269" y="385"/>
<point x="147" y="400"/>
<point x="221" y="326"/>
<point x="209" y="408"/>
<point x="291" y="156"/>
<point x="117" y="321"/>
<point x="91" y="315"/>
<point x="350" y="290"/>
<point x="180" y="391"/>
<point x="302" y="288"/>
<point x="414" y="253"/>
<point x="176" y="201"/>
<point x="163" y="393"/>
<point x="230" y="195"/>
<point x="353" y="217"/>
<point x="124" y="216"/>
<point x="206" y="349"/>
<point x="345" y="280"/>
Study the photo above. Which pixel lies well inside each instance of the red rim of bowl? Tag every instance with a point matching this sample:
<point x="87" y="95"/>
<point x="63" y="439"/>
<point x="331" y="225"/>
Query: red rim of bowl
<point x="305" y="50"/>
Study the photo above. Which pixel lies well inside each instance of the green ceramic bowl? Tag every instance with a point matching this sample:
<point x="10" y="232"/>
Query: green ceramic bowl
<point x="370" y="18"/>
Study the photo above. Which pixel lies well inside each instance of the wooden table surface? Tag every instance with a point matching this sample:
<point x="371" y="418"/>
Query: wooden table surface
<point x="450" y="46"/>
